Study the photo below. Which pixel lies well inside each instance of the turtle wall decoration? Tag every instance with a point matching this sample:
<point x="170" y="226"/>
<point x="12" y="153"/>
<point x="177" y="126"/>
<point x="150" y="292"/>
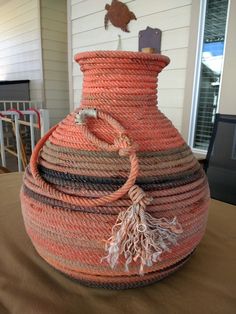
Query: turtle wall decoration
<point x="119" y="15"/>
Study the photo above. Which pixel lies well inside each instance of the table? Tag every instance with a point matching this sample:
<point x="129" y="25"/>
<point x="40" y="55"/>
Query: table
<point x="28" y="285"/>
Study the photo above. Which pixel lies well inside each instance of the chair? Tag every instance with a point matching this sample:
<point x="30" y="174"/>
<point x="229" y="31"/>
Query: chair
<point x="4" y="170"/>
<point x="220" y="163"/>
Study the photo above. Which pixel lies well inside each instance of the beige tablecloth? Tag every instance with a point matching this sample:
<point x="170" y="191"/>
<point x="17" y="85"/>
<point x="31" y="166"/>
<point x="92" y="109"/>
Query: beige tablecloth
<point x="28" y="285"/>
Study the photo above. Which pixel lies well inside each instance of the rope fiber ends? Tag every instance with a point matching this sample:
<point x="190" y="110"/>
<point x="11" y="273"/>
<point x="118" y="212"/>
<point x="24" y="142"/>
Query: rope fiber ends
<point x="138" y="236"/>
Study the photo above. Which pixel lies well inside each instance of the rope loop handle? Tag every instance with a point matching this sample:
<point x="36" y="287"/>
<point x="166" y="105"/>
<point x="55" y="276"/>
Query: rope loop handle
<point x="136" y="234"/>
<point x="122" y="144"/>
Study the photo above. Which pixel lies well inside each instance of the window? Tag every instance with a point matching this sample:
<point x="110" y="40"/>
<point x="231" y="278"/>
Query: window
<point x="208" y="72"/>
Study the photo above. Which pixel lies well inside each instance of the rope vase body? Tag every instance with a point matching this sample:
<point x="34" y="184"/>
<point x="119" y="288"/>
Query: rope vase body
<point x="113" y="196"/>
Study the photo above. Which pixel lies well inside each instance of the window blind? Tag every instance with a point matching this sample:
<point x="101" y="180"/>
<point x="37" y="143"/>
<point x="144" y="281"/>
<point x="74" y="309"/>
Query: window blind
<point x="211" y="69"/>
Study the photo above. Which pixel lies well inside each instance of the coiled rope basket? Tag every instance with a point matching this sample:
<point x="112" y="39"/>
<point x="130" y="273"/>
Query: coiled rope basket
<point x="113" y="196"/>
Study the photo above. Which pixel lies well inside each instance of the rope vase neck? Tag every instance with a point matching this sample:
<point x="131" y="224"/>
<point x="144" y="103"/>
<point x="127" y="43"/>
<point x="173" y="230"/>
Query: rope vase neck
<point x="124" y="84"/>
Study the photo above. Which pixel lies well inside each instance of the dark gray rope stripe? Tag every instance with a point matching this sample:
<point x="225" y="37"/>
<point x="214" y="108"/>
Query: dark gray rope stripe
<point x="64" y="205"/>
<point x="161" y="274"/>
<point x="117" y="181"/>
<point x="112" y="187"/>
<point x="98" y="154"/>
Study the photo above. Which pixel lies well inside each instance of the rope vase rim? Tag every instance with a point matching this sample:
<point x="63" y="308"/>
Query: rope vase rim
<point x="121" y="54"/>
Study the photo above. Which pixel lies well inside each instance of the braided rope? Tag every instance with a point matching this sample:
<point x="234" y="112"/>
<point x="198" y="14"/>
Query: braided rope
<point x="118" y="178"/>
<point x="122" y="144"/>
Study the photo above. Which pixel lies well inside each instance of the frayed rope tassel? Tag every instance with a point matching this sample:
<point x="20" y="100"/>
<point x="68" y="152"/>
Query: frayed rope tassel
<point x="139" y="236"/>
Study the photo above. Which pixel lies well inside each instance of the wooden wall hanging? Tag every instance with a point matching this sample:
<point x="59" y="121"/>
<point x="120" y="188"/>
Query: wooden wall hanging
<point x="119" y="15"/>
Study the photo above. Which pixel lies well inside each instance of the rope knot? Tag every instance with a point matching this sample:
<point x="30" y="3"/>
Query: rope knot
<point x="138" y="236"/>
<point x="125" y="146"/>
<point x="138" y="196"/>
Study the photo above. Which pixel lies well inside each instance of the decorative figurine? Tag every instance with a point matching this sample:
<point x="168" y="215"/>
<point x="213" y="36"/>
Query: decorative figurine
<point x="119" y="15"/>
<point x="150" y="38"/>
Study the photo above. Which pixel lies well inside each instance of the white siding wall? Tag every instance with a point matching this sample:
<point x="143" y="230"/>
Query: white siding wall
<point x="55" y="64"/>
<point x="20" y="53"/>
<point x="171" y="16"/>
